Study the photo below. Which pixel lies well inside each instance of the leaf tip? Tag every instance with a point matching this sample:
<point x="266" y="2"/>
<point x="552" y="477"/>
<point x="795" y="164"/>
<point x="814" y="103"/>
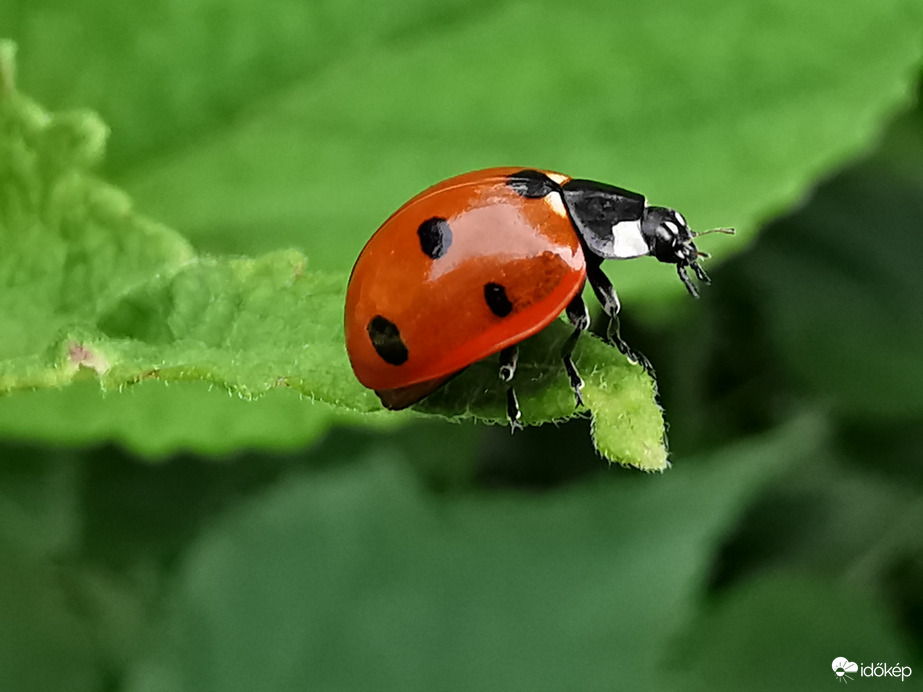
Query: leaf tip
<point x="627" y="423"/>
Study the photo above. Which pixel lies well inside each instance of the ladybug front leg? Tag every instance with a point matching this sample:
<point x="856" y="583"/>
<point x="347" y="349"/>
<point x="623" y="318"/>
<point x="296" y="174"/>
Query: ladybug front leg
<point x="578" y="316"/>
<point x="605" y="294"/>
<point x="608" y="299"/>
<point x="508" y="359"/>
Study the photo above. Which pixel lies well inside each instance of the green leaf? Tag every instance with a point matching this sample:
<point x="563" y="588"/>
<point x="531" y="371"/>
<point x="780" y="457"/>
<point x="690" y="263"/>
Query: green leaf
<point x="195" y="416"/>
<point x="92" y="290"/>
<point x="627" y="427"/>
<point x="359" y="579"/>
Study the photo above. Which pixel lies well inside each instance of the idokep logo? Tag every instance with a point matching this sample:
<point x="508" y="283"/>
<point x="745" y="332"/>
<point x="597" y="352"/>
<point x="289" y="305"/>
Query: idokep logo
<point x="843" y="666"/>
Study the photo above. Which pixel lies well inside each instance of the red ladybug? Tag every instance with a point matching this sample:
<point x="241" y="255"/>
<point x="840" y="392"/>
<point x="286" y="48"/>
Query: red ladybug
<point x="479" y="262"/>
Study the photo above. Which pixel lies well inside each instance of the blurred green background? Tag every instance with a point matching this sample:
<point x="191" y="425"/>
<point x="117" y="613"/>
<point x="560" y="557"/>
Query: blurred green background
<point x="177" y="539"/>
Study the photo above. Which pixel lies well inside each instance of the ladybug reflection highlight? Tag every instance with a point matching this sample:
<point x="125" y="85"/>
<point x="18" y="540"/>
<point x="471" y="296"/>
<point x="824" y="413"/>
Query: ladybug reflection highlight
<point x="479" y="262"/>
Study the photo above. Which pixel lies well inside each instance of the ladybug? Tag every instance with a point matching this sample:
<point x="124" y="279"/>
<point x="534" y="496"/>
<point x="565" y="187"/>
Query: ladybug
<point x="477" y="263"/>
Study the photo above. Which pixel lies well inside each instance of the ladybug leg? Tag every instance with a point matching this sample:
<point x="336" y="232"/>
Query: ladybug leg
<point x="608" y="299"/>
<point x="578" y="316"/>
<point x="687" y="282"/>
<point x="605" y="294"/>
<point x="508" y="359"/>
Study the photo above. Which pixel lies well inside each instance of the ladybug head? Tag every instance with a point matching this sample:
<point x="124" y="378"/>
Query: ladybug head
<point x="671" y="240"/>
<point x="617" y="224"/>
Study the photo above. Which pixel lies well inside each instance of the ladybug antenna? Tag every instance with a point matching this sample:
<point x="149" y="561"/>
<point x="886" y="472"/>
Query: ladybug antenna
<point x="726" y="231"/>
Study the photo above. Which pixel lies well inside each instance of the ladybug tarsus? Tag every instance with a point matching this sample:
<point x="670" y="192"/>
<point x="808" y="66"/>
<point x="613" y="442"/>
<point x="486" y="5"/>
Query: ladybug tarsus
<point x="512" y="411"/>
<point x="700" y="273"/>
<point x="576" y="382"/>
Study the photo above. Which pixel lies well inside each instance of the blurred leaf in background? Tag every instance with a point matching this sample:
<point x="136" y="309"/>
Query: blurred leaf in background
<point x="367" y="580"/>
<point x="450" y="556"/>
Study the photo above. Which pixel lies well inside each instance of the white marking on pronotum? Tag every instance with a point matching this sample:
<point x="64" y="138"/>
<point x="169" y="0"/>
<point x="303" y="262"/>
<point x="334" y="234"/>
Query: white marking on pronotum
<point x="559" y="178"/>
<point x="627" y="240"/>
<point x="556" y="203"/>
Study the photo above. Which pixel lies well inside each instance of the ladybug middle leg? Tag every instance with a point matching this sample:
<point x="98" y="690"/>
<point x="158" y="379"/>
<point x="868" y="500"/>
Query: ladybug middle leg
<point x="605" y="294"/>
<point x="578" y="316"/>
<point x="508" y="359"/>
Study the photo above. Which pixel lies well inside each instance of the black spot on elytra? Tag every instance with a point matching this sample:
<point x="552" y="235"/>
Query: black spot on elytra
<point x="386" y="338"/>
<point x="497" y="301"/>
<point x="531" y="184"/>
<point x="435" y="237"/>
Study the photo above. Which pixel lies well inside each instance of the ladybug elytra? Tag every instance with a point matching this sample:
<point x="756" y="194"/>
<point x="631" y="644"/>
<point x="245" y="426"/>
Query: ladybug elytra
<point x="479" y="262"/>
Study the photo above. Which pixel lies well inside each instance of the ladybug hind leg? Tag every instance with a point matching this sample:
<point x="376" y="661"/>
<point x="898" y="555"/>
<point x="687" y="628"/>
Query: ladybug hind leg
<point x="508" y="359"/>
